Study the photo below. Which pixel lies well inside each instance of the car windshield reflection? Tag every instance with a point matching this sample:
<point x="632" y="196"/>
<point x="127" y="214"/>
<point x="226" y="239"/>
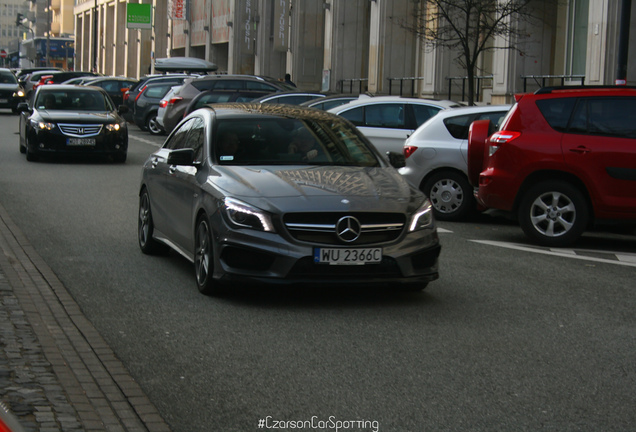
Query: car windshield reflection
<point x="73" y="100"/>
<point x="290" y="142"/>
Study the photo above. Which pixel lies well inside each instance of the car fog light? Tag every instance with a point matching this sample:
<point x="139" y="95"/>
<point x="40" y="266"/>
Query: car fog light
<point x="117" y="146"/>
<point x="41" y="145"/>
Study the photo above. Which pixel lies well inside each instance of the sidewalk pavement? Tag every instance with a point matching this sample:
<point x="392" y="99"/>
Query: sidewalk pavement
<point x="56" y="371"/>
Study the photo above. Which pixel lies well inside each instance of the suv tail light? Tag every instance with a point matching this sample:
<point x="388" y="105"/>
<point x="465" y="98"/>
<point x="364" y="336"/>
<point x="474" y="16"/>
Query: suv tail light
<point x="174" y="100"/>
<point x="408" y="151"/>
<point x="140" y="92"/>
<point x="163" y="103"/>
<point x="126" y="95"/>
<point x="499" y="138"/>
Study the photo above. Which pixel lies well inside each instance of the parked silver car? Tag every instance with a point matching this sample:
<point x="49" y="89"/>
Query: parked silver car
<point x="388" y="120"/>
<point x="436" y="156"/>
<point x="280" y="194"/>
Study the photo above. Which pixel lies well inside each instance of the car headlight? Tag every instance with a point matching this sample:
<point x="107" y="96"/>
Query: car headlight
<point x="422" y="218"/>
<point x="19" y="93"/>
<point x="114" y="127"/>
<point x="246" y="216"/>
<point x="45" y="125"/>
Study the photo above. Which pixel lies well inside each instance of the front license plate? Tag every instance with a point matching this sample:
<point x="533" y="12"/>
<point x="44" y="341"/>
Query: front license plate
<point x="80" y="141"/>
<point x="347" y="256"/>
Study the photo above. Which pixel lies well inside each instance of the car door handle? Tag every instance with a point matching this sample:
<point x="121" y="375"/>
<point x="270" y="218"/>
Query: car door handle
<point x="580" y="150"/>
<point x="154" y="163"/>
<point x="172" y="169"/>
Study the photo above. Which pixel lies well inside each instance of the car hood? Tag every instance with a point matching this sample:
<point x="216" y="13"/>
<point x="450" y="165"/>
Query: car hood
<point x="85" y="117"/>
<point x="318" y="188"/>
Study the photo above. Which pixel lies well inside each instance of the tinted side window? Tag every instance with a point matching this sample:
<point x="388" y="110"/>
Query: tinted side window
<point x="228" y="84"/>
<point x="557" y="111"/>
<point x="179" y="139"/>
<point x="157" y="91"/>
<point x="605" y="116"/>
<point x="203" y="85"/>
<point x="255" y="85"/>
<point x="458" y="126"/>
<point x="424" y="112"/>
<point x="196" y="138"/>
<point x="385" y="115"/>
<point x="355" y="116"/>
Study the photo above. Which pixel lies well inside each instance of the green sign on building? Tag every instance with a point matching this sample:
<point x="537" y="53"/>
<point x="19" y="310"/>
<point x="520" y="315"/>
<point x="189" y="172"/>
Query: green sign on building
<point x="138" y="16"/>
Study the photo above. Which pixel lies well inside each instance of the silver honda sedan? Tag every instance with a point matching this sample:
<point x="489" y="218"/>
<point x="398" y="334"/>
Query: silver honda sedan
<point x="281" y="194"/>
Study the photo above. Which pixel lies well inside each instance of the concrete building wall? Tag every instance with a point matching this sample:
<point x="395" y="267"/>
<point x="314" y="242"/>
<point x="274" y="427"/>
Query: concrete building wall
<point x="360" y="40"/>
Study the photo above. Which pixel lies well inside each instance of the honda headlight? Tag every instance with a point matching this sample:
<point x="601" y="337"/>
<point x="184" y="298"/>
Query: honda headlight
<point x="46" y="125"/>
<point x="244" y="215"/>
<point x="114" y="127"/>
<point x="422" y="218"/>
<point x="19" y="93"/>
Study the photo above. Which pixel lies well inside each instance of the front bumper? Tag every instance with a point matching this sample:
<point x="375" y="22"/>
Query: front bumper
<point x="55" y="142"/>
<point x="254" y="257"/>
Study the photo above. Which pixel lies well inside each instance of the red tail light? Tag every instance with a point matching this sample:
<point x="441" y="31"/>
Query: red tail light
<point x="126" y="95"/>
<point x="497" y="139"/>
<point x="163" y="103"/>
<point x="140" y="92"/>
<point x="174" y="100"/>
<point x="408" y="151"/>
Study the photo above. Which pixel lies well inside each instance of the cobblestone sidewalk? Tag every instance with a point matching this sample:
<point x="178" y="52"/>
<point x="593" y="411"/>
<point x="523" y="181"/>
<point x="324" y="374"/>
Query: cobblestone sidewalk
<point x="56" y="372"/>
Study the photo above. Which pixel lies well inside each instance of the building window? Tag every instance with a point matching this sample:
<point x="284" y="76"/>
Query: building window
<point x="578" y="12"/>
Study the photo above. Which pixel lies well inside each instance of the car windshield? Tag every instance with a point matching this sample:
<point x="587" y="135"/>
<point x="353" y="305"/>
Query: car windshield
<point x="7" y="78"/>
<point x="73" y="100"/>
<point x="284" y="141"/>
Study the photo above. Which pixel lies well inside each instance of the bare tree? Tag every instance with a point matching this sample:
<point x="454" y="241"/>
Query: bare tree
<point x="468" y="27"/>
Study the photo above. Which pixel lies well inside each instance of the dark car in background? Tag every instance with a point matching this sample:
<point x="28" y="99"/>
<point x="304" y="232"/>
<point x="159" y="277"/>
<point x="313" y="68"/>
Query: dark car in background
<point x="268" y="193"/>
<point x="72" y="119"/>
<point x="147" y="105"/>
<point x="23" y="73"/>
<point x="114" y="86"/>
<point x="60" y="77"/>
<point x="190" y="88"/>
<point x="221" y="96"/>
<point x="130" y="96"/>
<point x="11" y="92"/>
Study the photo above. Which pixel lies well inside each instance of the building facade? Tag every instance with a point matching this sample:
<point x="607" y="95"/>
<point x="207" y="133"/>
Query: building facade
<point x="355" y="45"/>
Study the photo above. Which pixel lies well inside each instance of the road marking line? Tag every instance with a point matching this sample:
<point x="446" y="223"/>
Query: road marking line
<point x="626" y="258"/>
<point x="145" y="141"/>
<point x="630" y="261"/>
<point x="442" y="230"/>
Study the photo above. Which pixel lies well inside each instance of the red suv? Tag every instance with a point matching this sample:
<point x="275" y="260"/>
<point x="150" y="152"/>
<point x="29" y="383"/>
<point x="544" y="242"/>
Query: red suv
<point x="563" y="158"/>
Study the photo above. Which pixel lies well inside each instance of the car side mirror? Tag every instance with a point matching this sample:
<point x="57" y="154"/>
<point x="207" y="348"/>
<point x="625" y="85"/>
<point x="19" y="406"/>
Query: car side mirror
<point x="397" y="160"/>
<point x="122" y="109"/>
<point x="181" y="157"/>
<point x="22" y="107"/>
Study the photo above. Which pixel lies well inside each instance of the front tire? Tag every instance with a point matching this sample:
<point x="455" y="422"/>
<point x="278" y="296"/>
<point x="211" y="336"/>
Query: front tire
<point x="451" y="196"/>
<point x="145" y="228"/>
<point x="554" y="213"/>
<point x="204" y="258"/>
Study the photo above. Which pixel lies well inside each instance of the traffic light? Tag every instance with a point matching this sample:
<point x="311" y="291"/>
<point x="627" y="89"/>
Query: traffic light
<point x="18" y="19"/>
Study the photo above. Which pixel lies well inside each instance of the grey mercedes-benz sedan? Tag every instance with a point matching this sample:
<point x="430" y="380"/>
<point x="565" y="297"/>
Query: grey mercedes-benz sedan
<point x="283" y="194"/>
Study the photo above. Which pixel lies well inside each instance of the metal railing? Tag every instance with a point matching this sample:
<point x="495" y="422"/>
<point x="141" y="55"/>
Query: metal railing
<point x="402" y="80"/>
<point x="342" y="82"/>
<point x="544" y="79"/>
<point x="479" y="80"/>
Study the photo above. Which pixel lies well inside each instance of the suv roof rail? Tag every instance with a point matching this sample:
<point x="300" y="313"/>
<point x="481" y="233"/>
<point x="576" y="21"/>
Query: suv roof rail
<point x="545" y="90"/>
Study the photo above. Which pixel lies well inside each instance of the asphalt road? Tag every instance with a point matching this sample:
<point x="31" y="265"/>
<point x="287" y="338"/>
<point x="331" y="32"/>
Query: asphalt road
<point x="510" y="338"/>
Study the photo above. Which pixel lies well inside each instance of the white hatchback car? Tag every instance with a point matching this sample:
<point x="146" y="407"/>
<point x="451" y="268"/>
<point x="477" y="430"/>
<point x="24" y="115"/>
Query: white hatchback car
<point x="388" y="120"/>
<point x="436" y="159"/>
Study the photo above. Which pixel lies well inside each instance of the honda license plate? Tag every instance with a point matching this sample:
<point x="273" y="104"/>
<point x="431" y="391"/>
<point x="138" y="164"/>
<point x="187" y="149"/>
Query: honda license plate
<point x="347" y="256"/>
<point x="80" y="141"/>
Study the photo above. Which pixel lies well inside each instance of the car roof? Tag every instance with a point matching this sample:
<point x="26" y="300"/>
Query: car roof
<point x="234" y="110"/>
<point x="394" y="99"/>
<point x="289" y="93"/>
<point x="68" y="87"/>
<point x="266" y="79"/>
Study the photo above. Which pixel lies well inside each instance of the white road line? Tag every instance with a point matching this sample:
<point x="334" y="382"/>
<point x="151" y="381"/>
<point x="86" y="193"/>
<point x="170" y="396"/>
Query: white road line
<point x="630" y="261"/>
<point x="145" y="141"/>
<point x="442" y="230"/>
<point x="626" y="258"/>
